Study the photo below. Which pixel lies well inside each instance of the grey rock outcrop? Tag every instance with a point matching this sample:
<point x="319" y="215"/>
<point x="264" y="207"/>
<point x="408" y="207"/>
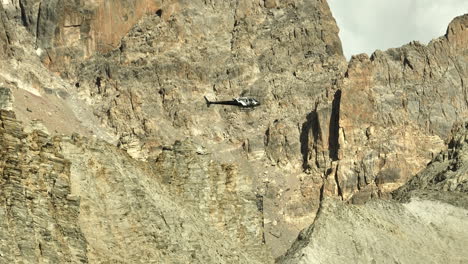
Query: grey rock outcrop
<point x="6" y="99"/>
<point x="381" y="231"/>
<point x="128" y="216"/>
<point x="445" y="178"/>
<point x="68" y="200"/>
<point x="216" y="190"/>
<point x="397" y="109"/>
<point x="150" y="93"/>
<point x="70" y="31"/>
<point x="427" y="228"/>
<point x="39" y="214"/>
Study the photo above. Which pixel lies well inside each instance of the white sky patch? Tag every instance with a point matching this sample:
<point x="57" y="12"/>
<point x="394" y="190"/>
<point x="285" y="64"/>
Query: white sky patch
<point x="368" y="25"/>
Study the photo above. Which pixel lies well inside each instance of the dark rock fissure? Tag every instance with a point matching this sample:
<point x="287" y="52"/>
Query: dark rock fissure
<point x="259" y="201"/>
<point x="311" y="125"/>
<point x="267" y="137"/>
<point x="98" y="82"/>
<point x="38" y="22"/>
<point x="334" y="127"/>
<point x="304" y="139"/>
<point x="24" y="18"/>
<point x="72" y="26"/>
<point x="407" y="63"/>
<point x="340" y="192"/>
<point x="159" y="12"/>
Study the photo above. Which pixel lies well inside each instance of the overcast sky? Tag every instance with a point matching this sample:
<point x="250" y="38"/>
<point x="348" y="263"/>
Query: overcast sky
<point x="367" y="25"/>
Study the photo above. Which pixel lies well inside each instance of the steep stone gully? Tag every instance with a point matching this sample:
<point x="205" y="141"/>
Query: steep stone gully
<point x="110" y="154"/>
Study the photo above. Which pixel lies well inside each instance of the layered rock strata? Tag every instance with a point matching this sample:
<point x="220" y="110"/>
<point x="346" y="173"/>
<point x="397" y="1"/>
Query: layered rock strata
<point x="128" y="216"/>
<point x="397" y="109"/>
<point x="445" y="178"/>
<point x="39" y="214"/>
<point x="427" y="228"/>
<point x="5" y="33"/>
<point x="68" y="200"/>
<point x="216" y="191"/>
<point x="381" y="231"/>
<point x="67" y="31"/>
<point x="150" y="92"/>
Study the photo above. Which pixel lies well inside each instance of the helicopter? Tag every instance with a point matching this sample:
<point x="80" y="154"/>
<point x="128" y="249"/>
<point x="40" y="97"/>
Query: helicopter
<point x="243" y="102"/>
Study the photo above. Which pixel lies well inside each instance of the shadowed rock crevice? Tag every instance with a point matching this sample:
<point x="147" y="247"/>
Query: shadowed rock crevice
<point x="334" y="128"/>
<point x="23" y="14"/>
<point x="337" y="181"/>
<point x="310" y="126"/>
<point x="159" y="12"/>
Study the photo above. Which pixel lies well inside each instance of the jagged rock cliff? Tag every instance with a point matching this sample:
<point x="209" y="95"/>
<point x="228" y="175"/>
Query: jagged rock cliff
<point x="150" y="92"/>
<point x="65" y="199"/>
<point x="445" y="178"/>
<point x="128" y="216"/>
<point x="382" y="231"/>
<point x="135" y="77"/>
<point x="39" y="213"/>
<point x="4" y="33"/>
<point x="427" y="228"/>
<point x="69" y="31"/>
<point x="397" y="108"/>
<point x="214" y="189"/>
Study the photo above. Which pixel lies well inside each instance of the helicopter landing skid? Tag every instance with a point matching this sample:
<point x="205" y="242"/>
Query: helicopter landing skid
<point x="246" y="109"/>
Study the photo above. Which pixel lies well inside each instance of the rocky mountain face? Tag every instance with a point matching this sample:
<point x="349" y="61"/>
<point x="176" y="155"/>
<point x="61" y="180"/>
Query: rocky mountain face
<point x="383" y="231"/>
<point x="4" y="33"/>
<point x="154" y="175"/>
<point x="427" y="228"/>
<point x="150" y="92"/>
<point x="445" y="178"/>
<point x="66" y="31"/>
<point x="397" y="108"/>
<point x="65" y="199"/>
<point x="128" y="216"/>
<point x="39" y="215"/>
